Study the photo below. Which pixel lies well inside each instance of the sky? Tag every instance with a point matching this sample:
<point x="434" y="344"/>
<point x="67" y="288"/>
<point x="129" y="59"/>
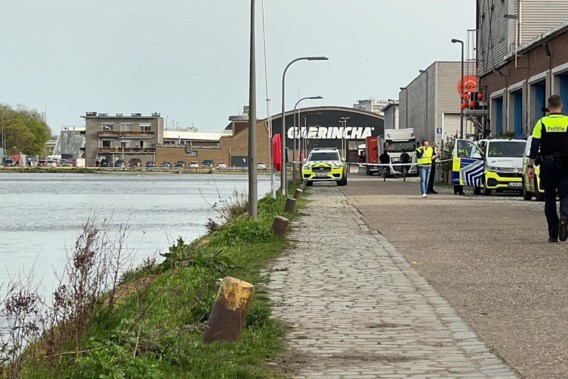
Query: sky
<point x="189" y="60"/>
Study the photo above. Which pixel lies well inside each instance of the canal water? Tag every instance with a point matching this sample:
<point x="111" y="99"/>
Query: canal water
<point x="41" y="215"/>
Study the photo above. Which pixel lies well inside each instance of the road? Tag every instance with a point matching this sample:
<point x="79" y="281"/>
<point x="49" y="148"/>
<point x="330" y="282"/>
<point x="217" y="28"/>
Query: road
<point x="488" y="257"/>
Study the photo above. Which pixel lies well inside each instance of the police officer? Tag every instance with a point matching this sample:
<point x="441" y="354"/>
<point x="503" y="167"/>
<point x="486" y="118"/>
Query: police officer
<point x="550" y="134"/>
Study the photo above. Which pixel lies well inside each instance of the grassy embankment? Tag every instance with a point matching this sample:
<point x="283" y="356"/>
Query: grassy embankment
<point x="152" y="324"/>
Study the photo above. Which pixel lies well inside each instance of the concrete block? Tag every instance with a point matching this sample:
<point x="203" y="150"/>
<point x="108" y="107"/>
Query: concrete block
<point x="290" y="205"/>
<point x="279" y="225"/>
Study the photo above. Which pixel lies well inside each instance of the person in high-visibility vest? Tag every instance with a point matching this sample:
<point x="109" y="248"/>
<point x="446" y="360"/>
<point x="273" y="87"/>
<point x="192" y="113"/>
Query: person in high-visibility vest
<point x="425" y="154"/>
<point x="550" y="135"/>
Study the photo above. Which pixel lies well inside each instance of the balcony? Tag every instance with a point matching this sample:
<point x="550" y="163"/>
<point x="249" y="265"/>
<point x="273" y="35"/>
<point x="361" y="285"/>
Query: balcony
<point x="118" y="149"/>
<point x="130" y="134"/>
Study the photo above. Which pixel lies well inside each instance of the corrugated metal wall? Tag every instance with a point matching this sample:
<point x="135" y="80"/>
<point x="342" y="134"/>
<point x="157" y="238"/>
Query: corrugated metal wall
<point x="494" y="34"/>
<point x="538" y="16"/>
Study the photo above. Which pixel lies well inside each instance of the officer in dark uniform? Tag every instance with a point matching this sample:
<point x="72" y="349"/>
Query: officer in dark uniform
<point x="550" y="134"/>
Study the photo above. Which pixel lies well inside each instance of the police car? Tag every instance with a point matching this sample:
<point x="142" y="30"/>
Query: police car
<point x="324" y="164"/>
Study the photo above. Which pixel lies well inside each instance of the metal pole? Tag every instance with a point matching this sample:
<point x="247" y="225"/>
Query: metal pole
<point x="283" y="179"/>
<point x="462" y="85"/>
<point x="252" y="177"/>
<point x="294" y="171"/>
<point x="426" y="101"/>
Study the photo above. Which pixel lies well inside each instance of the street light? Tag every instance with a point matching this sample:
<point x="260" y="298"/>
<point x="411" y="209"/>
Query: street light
<point x="252" y="177"/>
<point x="304" y="136"/>
<point x="343" y="122"/>
<point x="462" y="85"/>
<point x="405" y="106"/>
<point x="294" y="171"/>
<point x="283" y="184"/>
<point x="426" y="115"/>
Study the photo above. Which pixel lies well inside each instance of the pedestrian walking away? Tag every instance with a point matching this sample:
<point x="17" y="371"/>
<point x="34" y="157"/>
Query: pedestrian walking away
<point x="385" y="159"/>
<point x="430" y="188"/>
<point x="550" y="135"/>
<point x="405" y="159"/>
<point x="425" y="154"/>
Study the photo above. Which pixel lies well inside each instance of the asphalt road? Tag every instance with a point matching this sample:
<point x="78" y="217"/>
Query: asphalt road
<point x="488" y="257"/>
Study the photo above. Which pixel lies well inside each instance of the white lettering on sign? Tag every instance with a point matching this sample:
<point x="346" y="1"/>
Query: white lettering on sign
<point x="330" y="132"/>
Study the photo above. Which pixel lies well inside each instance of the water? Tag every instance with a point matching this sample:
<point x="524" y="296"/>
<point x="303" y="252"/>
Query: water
<point x="41" y="215"/>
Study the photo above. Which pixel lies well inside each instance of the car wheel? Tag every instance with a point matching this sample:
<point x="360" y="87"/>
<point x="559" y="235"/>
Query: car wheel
<point x="309" y="183"/>
<point x="486" y="192"/>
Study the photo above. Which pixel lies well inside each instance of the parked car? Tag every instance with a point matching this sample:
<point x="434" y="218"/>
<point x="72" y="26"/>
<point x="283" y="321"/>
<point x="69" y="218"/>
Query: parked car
<point x="9" y="162"/>
<point x="207" y="163"/>
<point x="135" y="162"/>
<point x="42" y="162"/>
<point x="166" y="164"/>
<point x="221" y="165"/>
<point x="150" y="164"/>
<point x="261" y="166"/>
<point x="66" y="163"/>
<point x="120" y="163"/>
<point x="193" y="164"/>
<point x="180" y="164"/>
<point x="105" y="163"/>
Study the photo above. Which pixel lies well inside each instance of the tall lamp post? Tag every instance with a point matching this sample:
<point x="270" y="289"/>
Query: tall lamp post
<point x="343" y="122"/>
<point x="252" y="177"/>
<point x="283" y="179"/>
<point x="405" y="106"/>
<point x="294" y="171"/>
<point x="426" y="100"/>
<point x="462" y="84"/>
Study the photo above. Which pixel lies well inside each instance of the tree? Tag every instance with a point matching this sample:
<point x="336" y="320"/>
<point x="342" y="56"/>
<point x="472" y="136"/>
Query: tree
<point x="25" y="131"/>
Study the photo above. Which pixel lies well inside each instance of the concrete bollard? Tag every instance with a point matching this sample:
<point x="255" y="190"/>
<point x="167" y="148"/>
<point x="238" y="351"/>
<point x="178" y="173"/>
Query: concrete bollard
<point x="228" y="315"/>
<point x="290" y="205"/>
<point x="298" y="194"/>
<point x="279" y="225"/>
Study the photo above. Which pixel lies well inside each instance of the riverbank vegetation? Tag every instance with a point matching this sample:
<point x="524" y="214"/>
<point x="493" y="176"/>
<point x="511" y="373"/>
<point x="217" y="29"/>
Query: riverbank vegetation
<point x="148" y="322"/>
<point x="25" y="130"/>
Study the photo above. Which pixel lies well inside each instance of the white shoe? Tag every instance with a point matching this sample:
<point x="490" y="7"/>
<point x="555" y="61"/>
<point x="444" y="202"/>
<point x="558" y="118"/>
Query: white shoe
<point x="424" y="195"/>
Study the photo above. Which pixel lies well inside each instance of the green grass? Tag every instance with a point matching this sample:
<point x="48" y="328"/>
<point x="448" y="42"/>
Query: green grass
<point x="157" y="330"/>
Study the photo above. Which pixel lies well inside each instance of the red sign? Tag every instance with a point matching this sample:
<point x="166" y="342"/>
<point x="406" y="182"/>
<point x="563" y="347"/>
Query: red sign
<point x="470" y="84"/>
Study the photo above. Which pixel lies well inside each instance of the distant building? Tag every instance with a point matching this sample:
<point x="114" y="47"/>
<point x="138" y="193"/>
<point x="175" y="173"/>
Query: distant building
<point x="431" y="102"/>
<point x="114" y="137"/>
<point x="371" y="105"/>
<point x="70" y="143"/>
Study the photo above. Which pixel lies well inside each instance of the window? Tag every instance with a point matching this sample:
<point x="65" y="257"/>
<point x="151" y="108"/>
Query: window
<point x="146" y="128"/>
<point x="126" y="127"/>
<point x="106" y="143"/>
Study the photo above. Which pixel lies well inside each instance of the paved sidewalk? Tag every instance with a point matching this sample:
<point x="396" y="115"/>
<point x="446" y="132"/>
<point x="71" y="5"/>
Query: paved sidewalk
<point x="354" y="308"/>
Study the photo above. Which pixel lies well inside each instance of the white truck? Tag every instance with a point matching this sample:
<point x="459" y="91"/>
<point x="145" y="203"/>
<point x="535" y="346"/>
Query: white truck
<point x="395" y="141"/>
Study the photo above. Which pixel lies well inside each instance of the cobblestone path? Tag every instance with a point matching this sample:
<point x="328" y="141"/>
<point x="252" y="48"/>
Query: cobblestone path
<point x="354" y="308"/>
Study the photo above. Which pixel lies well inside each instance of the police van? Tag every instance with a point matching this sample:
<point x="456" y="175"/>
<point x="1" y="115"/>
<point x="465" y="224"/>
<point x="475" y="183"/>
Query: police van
<point x="531" y="187"/>
<point x="491" y="164"/>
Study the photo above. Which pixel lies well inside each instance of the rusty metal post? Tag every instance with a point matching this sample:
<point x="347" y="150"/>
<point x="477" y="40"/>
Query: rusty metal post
<point x="279" y="225"/>
<point x="229" y="312"/>
<point x="290" y="205"/>
<point x="298" y="194"/>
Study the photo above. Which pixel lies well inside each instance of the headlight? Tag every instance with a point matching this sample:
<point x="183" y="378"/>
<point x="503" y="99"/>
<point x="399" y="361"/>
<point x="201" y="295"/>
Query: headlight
<point x="492" y="168"/>
<point x="308" y="166"/>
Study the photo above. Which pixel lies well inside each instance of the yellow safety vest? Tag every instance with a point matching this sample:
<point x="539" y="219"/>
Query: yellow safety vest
<point x="426" y="156"/>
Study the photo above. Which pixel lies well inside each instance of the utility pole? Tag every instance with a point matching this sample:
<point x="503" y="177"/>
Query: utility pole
<point x="252" y="196"/>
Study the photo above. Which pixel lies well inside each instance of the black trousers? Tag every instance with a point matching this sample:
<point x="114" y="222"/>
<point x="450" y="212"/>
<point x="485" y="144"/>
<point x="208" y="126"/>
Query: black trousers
<point x="430" y="186"/>
<point x="554" y="183"/>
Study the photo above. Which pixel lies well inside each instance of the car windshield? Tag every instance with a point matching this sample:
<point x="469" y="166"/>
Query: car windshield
<point x="324" y="156"/>
<point x="508" y="149"/>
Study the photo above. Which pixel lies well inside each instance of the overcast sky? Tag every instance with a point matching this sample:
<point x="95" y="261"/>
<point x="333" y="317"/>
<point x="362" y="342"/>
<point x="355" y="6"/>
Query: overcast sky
<point x="188" y="60"/>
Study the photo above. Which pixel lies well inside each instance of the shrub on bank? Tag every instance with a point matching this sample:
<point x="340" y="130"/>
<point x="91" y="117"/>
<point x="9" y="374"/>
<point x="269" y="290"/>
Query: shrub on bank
<point x="152" y="325"/>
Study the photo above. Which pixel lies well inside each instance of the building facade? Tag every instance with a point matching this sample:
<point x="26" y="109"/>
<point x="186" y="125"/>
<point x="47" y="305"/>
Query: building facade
<point x="431" y="102"/>
<point x="522" y="60"/>
<point x="111" y="138"/>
